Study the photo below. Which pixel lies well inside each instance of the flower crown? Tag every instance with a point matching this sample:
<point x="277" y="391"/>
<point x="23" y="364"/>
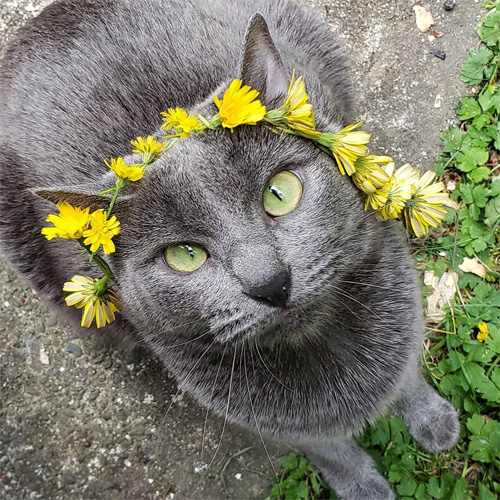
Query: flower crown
<point x="395" y="194"/>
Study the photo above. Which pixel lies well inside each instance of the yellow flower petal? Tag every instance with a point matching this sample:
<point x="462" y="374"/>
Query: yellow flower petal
<point x="101" y="231"/>
<point x="370" y="174"/>
<point x="347" y="146"/>
<point x="69" y="224"/>
<point x="424" y="209"/>
<point x="126" y="172"/>
<point x="400" y="190"/>
<point x="88" y="314"/>
<point x="483" y="332"/>
<point x="178" y="119"/>
<point x="299" y="113"/>
<point x="98" y="300"/>
<point x="239" y="107"/>
<point x="148" y="146"/>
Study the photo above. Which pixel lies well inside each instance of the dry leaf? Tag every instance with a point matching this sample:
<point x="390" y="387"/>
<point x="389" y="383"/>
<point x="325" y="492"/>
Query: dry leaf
<point x="424" y="18"/>
<point x="444" y="291"/>
<point x="451" y="204"/>
<point x="473" y="266"/>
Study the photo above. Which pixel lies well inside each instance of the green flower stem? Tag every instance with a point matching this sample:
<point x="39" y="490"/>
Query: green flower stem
<point x="106" y="191"/>
<point x="495" y="363"/>
<point x="103" y="265"/>
<point x="170" y="144"/>
<point x="275" y="116"/>
<point x="120" y="184"/>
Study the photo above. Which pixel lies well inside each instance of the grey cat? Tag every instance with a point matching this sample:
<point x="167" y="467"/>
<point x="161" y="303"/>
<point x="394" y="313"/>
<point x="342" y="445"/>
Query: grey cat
<point x="302" y="327"/>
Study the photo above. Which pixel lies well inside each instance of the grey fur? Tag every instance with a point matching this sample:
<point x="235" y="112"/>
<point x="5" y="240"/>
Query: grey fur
<point x="86" y="76"/>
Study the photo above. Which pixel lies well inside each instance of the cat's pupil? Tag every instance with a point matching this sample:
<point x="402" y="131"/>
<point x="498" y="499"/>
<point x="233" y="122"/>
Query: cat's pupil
<point x="279" y="194"/>
<point x="190" y="250"/>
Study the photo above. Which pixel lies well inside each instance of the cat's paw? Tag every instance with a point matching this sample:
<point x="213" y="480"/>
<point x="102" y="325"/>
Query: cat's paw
<point x="376" y="488"/>
<point x="435" y="427"/>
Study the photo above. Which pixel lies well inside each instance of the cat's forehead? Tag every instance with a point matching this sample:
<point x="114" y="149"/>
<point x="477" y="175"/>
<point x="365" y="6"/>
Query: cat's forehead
<point x="225" y="170"/>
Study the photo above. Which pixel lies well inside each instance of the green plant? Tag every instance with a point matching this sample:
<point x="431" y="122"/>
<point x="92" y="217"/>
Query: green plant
<point x="460" y="362"/>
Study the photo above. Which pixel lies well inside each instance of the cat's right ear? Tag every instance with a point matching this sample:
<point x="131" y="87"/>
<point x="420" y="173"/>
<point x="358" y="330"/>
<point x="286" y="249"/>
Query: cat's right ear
<point x="261" y="65"/>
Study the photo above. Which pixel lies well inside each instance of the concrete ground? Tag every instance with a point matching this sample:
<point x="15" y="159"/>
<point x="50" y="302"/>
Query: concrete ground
<point x="79" y="420"/>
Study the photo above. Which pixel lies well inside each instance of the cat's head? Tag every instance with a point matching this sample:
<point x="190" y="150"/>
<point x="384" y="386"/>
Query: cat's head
<point x="202" y="251"/>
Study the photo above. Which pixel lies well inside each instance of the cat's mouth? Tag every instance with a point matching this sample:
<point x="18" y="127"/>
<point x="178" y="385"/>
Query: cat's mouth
<point x="287" y="323"/>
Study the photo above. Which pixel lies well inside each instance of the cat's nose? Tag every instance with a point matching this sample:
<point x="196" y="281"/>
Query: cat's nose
<point x="274" y="291"/>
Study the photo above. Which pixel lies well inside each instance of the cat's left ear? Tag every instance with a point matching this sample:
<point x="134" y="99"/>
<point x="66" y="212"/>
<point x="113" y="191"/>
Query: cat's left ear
<point x="86" y="195"/>
<point x="261" y="66"/>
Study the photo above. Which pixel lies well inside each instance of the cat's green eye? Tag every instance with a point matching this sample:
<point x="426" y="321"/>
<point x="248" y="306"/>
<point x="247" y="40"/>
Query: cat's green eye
<point x="185" y="257"/>
<point x="282" y="194"/>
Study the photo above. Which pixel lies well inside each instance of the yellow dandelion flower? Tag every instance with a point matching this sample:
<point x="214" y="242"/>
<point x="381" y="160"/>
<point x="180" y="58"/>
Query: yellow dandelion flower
<point x="424" y="209"/>
<point x="123" y="171"/>
<point x="347" y="146"/>
<point x="483" y="332"/>
<point x="400" y="191"/>
<point x="179" y="120"/>
<point x="299" y="113"/>
<point x="238" y="106"/>
<point x="69" y="224"/>
<point x="149" y="145"/>
<point x="370" y="175"/>
<point x="98" y="300"/>
<point x="101" y="232"/>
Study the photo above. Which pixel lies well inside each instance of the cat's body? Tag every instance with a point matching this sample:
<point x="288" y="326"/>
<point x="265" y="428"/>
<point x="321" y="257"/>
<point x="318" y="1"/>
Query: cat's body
<point x="83" y="79"/>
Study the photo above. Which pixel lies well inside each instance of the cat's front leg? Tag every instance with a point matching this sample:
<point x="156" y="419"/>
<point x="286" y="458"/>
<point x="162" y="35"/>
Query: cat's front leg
<point x="431" y="420"/>
<point x="348" y="469"/>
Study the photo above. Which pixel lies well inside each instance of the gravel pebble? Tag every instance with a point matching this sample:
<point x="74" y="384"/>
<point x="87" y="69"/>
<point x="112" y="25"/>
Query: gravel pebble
<point x="74" y="349"/>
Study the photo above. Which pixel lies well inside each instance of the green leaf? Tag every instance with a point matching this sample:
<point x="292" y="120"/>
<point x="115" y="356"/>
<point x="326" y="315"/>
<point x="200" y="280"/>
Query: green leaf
<point x="495" y="188"/>
<point x="485" y="493"/>
<point x="475" y="424"/>
<point x="291" y="461"/>
<point x="471" y="158"/>
<point x="460" y="490"/>
<point x="440" y="266"/>
<point x="469" y="108"/>
<point x="489" y="98"/>
<point x="489" y="29"/>
<point x="480" y="194"/>
<point x="473" y="67"/>
<point x="492" y="211"/>
<point x="302" y="490"/>
<point x="407" y="486"/>
<point x="480" y="174"/>
<point x="452" y="140"/>
<point x="493" y="340"/>
<point x="465" y="191"/>
<point x="481" y="121"/>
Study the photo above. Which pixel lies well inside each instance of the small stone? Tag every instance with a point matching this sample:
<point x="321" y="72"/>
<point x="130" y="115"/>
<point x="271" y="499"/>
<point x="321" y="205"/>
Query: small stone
<point x="51" y="320"/>
<point x="122" y="414"/>
<point x="107" y="364"/>
<point x="105" y="416"/>
<point x="39" y="326"/>
<point x="449" y="5"/>
<point x="68" y="478"/>
<point x="74" y="349"/>
<point x="93" y="395"/>
<point x="438" y="53"/>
